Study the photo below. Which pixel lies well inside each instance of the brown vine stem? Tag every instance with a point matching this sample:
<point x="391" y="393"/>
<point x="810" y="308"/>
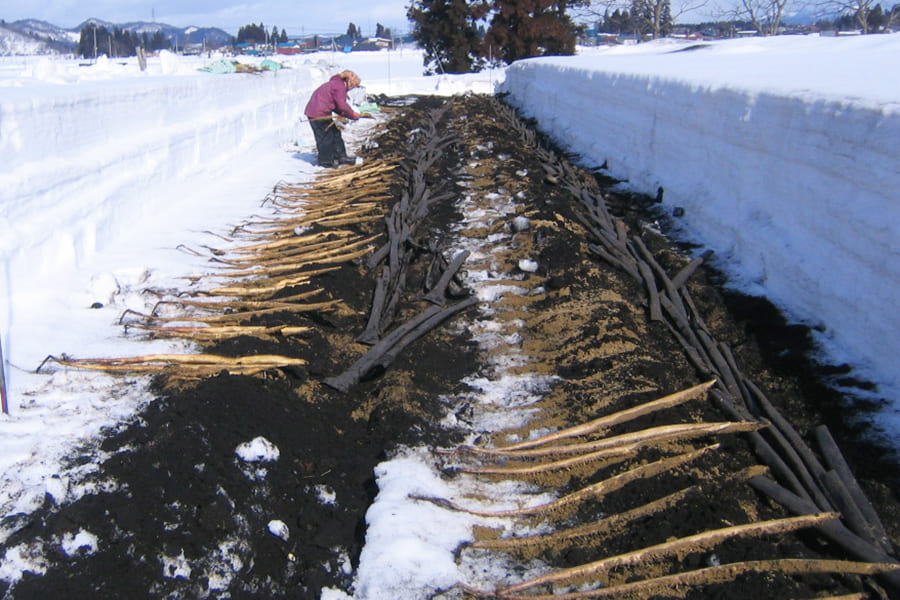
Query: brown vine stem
<point x="616" y="418"/>
<point x="596" y="490"/>
<point x="697" y="542"/>
<point x="649" y="588"/>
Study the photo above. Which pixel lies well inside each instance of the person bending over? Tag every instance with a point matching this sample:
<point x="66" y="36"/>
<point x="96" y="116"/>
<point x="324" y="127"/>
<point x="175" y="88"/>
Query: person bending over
<point x="331" y="99"/>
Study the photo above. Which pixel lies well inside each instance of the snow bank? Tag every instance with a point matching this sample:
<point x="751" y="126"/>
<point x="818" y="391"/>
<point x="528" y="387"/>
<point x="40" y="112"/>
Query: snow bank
<point x="792" y="179"/>
<point x="90" y="156"/>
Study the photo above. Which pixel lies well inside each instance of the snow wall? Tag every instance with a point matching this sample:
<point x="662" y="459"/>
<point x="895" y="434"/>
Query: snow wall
<point x="68" y="178"/>
<point x="797" y="198"/>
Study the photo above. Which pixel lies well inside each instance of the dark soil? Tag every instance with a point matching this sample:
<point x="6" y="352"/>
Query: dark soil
<point x="178" y="488"/>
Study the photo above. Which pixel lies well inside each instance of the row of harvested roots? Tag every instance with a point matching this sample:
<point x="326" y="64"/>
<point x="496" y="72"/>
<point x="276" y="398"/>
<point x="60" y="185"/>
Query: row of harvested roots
<point x="822" y="493"/>
<point x="267" y="266"/>
<point x="391" y="261"/>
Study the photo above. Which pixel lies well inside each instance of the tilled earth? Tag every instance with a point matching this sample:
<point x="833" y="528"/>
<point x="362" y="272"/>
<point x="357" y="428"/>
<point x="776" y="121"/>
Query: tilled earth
<point x="183" y="516"/>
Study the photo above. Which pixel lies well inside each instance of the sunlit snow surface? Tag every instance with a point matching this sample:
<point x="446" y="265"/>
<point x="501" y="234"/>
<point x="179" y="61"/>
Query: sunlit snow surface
<point x="782" y="151"/>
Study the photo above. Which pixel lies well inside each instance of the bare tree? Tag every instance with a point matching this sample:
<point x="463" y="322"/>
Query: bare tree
<point x="598" y="9"/>
<point x="764" y="15"/>
<point x="652" y="16"/>
<point x="858" y="9"/>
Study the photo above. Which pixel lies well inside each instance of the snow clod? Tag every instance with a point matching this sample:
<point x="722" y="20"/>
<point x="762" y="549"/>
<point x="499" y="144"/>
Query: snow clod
<point x="258" y="449"/>
<point x="521" y="224"/>
<point x="279" y="529"/>
<point x="528" y="265"/>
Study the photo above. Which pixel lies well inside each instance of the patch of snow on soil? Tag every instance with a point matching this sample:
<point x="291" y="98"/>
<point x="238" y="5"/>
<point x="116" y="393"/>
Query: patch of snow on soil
<point x="258" y="449"/>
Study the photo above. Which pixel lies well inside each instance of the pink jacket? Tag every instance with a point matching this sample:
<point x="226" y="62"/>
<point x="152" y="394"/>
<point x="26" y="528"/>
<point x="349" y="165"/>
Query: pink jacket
<point x="330" y="97"/>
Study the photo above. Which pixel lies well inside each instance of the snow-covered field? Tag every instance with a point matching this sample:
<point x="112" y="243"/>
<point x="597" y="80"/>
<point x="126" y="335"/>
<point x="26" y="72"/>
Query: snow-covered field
<point x="782" y="152"/>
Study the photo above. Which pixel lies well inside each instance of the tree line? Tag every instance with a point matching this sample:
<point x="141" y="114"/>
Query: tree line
<point x="355" y="33"/>
<point x="641" y="18"/>
<point x="461" y="36"/>
<point x="256" y="34"/>
<point x="96" y="40"/>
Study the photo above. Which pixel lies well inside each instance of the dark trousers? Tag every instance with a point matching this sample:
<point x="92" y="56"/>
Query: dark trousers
<point x="329" y="142"/>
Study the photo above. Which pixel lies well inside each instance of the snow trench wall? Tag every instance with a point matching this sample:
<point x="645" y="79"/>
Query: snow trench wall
<point x="84" y="159"/>
<point x="798" y="198"/>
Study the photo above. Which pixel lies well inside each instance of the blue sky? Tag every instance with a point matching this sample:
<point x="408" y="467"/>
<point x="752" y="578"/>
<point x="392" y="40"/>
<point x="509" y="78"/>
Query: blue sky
<point x="295" y="16"/>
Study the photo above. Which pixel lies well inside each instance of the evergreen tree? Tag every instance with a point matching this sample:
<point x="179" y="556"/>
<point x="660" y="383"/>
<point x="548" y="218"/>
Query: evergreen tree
<point x="382" y="32"/>
<point x="86" y="42"/>
<point x="258" y="34"/>
<point x="525" y="28"/>
<point x="448" y="31"/>
<point x="652" y="17"/>
<point x="876" y="18"/>
<point x="618" y="22"/>
<point x="251" y="34"/>
<point x="158" y="41"/>
<point x="353" y="32"/>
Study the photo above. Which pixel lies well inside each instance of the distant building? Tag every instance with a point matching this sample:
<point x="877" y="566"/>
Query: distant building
<point x="291" y="47"/>
<point x="373" y="43"/>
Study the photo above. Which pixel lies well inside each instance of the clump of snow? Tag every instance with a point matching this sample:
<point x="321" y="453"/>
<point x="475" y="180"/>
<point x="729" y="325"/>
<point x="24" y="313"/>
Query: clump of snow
<point x="528" y="265"/>
<point x="521" y="224"/>
<point x="409" y="544"/>
<point x="259" y="449"/>
<point x="83" y="542"/>
<point x="176" y="566"/>
<point x="279" y="529"/>
<point x="222" y="565"/>
<point x="327" y="495"/>
<point x="24" y="558"/>
<point x="57" y="487"/>
<point x="334" y="594"/>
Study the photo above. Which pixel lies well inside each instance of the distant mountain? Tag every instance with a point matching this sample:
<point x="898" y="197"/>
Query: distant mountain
<point x="35" y="37"/>
<point x="42" y="29"/>
<point x="30" y="36"/>
<point x="180" y="35"/>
